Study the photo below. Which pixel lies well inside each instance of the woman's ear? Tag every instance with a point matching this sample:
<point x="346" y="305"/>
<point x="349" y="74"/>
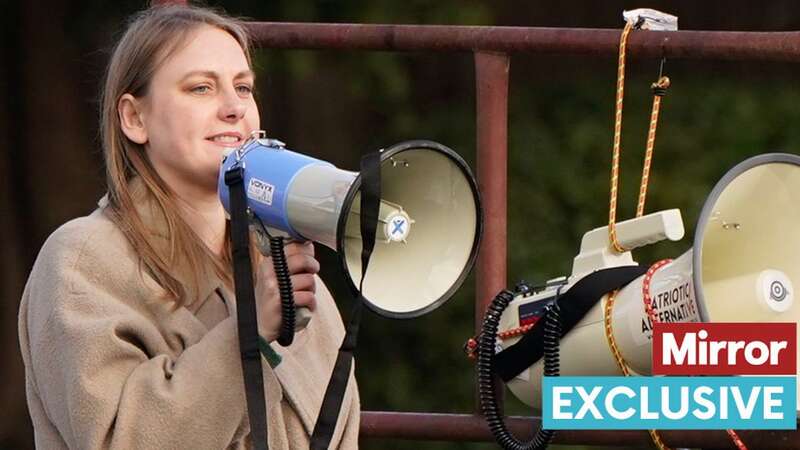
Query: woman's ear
<point x="131" y="120"/>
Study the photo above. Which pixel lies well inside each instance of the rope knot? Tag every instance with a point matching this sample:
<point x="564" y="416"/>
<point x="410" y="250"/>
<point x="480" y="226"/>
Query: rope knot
<point x="660" y="87"/>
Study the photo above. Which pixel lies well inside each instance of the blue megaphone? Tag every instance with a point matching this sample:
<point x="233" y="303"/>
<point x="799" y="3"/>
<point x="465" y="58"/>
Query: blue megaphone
<point x="429" y="224"/>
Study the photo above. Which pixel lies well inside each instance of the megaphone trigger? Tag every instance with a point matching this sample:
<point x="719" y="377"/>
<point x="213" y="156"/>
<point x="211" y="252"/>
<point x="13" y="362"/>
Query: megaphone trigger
<point x="302" y="318"/>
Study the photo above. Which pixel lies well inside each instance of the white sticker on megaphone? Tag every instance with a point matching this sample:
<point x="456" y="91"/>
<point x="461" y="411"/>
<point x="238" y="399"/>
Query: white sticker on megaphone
<point x="397" y="227"/>
<point x="260" y="191"/>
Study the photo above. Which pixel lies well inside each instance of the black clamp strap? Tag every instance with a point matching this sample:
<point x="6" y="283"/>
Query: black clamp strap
<point x="574" y="305"/>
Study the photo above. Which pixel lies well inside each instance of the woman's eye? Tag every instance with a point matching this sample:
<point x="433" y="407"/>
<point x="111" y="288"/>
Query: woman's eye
<point x="201" y="89"/>
<point x="244" y="89"/>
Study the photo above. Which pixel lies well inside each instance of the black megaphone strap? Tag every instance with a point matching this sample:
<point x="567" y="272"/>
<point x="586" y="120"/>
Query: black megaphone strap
<point x="334" y="394"/>
<point x="574" y="305"/>
<point x="247" y="318"/>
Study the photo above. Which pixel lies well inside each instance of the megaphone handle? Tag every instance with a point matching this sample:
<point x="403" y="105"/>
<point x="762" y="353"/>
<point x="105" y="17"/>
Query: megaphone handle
<point x="273" y="246"/>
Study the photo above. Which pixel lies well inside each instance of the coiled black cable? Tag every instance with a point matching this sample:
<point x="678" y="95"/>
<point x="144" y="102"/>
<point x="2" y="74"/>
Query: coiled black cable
<point x="286" y="334"/>
<point x="486" y="380"/>
<point x="288" y="309"/>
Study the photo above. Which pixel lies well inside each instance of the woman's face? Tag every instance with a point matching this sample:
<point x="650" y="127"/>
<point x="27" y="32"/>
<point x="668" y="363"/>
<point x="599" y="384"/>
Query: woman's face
<point x="199" y="103"/>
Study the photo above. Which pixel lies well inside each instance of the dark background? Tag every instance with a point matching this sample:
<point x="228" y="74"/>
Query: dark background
<point x="336" y="105"/>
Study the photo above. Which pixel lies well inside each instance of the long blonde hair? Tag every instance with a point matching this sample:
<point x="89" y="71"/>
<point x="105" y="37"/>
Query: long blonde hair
<point x="151" y="37"/>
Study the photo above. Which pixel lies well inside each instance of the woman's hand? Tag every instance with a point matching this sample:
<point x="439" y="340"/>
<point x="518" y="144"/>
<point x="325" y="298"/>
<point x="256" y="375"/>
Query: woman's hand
<point x="302" y="268"/>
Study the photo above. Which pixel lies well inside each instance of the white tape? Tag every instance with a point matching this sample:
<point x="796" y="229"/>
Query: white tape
<point x="651" y="19"/>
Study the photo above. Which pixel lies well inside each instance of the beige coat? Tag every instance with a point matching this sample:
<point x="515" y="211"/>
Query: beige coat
<point x="108" y="365"/>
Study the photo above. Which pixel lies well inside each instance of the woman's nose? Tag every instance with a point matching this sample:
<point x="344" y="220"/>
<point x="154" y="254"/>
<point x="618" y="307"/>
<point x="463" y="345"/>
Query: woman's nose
<point x="232" y="108"/>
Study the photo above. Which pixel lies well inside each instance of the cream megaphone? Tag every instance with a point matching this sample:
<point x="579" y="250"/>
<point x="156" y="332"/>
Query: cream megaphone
<point x="743" y="267"/>
<point x="429" y="219"/>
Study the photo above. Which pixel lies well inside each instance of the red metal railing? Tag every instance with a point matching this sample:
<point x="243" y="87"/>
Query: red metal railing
<point x="719" y="45"/>
<point x="491" y="47"/>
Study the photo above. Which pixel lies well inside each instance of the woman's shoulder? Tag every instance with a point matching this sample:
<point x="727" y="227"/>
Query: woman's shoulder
<point x="91" y="236"/>
<point x="86" y="251"/>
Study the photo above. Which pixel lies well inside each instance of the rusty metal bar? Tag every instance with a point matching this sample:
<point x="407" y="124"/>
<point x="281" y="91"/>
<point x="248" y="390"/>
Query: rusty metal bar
<point x="472" y="428"/>
<point x="491" y="93"/>
<point x="490" y="45"/>
<point x="719" y="45"/>
<point x="491" y="81"/>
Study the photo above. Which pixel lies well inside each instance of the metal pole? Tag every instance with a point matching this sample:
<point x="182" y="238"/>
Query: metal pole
<point x="718" y="45"/>
<point x="491" y="80"/>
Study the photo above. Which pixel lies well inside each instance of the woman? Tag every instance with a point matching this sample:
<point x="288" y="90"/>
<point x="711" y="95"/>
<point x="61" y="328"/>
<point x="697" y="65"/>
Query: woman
<point x="127" y="324"/>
